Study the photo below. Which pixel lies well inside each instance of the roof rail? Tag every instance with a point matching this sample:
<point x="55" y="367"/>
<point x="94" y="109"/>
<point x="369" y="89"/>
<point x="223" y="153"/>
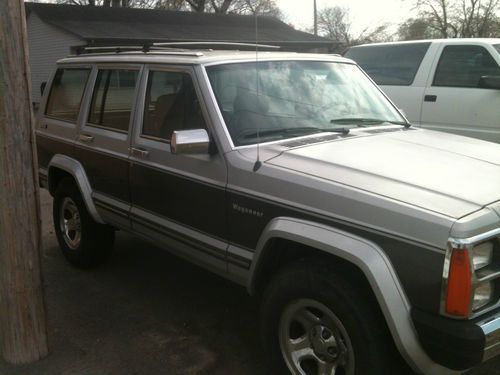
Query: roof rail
<point x="147" y="47"/>
<point x="208" y="44"/>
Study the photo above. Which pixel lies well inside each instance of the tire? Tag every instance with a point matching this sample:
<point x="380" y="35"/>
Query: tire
<point x="317" y="320"/>
<point x="84" y="242"/>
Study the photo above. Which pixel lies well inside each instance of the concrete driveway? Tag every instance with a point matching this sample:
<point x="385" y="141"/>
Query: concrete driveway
<point x="147" y="312"/>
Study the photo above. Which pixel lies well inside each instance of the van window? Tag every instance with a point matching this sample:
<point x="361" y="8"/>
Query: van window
<point x="112" y="99"/>
<point x="171" y="104"/>
<point x="66" y="94"/>
<point x="463" y="66"/>
<point x="392" y="64"/>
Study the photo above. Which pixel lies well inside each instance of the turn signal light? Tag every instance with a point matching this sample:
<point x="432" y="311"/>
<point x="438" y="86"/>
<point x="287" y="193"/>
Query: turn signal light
<point x="458" y="298"/>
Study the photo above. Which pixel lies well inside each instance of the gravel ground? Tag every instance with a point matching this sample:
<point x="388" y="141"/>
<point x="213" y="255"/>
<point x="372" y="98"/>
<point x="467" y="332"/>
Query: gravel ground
<point x="147" y="312"/>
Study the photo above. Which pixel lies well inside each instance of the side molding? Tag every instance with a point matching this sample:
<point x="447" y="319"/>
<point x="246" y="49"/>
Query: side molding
<point x="374" y="264"/>
<point x="74" y="168"/>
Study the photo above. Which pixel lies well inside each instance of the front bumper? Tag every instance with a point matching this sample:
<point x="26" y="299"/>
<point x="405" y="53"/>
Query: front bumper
<point x="458" y="344"/>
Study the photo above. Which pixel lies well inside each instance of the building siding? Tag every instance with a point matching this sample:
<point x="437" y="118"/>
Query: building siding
<point x="47" y="44"/>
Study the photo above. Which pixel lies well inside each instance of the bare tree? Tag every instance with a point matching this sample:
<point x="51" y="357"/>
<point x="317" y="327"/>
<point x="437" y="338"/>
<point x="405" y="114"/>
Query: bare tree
<point x="334" y="23"/>
<point x="461" y="18"/>
<point x="416" y="28"/>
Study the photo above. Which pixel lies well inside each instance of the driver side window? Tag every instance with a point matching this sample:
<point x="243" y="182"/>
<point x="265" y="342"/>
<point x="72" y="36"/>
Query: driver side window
<point x="171" y="104"/>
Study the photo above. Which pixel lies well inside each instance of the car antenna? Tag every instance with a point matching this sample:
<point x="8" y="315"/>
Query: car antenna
<point x="258" y="163"/>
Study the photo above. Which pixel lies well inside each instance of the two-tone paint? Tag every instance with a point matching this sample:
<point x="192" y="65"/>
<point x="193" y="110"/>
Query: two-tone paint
<point x="345" y="196"/>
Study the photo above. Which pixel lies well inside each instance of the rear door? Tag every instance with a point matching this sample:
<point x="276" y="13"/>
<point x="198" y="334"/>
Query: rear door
<point x="177" y="199"/>
<point x="103" y="141"/>
<point x="454" y="101"/>
<point x="60" y="113"/>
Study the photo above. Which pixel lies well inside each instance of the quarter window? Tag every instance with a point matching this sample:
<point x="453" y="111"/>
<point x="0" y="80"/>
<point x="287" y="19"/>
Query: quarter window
<point x="66" y="94"/>
<point x="113" y="99"/>
<point x="171" y="104"/>
<point x="463" y="66"/>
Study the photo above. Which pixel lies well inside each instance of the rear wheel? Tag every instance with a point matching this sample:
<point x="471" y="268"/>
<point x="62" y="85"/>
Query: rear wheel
<point x="84" y="242"/>
<point x="317" y="320"/>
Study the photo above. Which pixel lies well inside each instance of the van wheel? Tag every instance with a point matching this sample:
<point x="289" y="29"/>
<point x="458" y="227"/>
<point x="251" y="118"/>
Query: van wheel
<point x="315" y="320"/>
<point x="84" y="242"/>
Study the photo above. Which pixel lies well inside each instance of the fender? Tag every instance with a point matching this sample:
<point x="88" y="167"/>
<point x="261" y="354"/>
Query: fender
<point x="376" y="267"/>
<point x="75" y="169"/>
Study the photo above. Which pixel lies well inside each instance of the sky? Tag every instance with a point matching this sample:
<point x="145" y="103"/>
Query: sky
<point x="363" y="13"/>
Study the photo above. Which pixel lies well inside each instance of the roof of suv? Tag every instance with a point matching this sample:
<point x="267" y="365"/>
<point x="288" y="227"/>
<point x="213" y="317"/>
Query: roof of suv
<point x="195" y="57"/>
<point x="448" y="41"/>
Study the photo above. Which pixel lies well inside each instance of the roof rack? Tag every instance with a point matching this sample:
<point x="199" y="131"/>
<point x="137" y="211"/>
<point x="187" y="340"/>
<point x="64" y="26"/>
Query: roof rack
<point x="169" y="48"/>
<point x="228" y="44"/>
<point x="147" y="47"/>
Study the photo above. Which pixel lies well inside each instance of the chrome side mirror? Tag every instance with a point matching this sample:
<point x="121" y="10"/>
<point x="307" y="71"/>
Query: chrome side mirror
<point x="489" y="82"/>
<point x="190" y="142"/>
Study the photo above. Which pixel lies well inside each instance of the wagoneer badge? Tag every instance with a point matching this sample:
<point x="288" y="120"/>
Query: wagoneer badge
<point x="248" y="211"/>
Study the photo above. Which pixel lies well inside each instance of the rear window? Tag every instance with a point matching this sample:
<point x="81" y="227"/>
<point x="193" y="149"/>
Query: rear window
<point x="66" y="94"/>
<point x="112" y="100"/>
<point x="394" y="64"/>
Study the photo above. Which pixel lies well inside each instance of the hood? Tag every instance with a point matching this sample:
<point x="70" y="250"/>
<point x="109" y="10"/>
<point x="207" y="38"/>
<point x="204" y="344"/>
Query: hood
<point x="441" y="172"/>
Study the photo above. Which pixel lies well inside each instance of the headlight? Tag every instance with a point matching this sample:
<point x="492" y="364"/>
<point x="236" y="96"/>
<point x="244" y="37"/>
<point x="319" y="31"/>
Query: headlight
<point x="482" y="254"/>
<point x="482" y="295"/>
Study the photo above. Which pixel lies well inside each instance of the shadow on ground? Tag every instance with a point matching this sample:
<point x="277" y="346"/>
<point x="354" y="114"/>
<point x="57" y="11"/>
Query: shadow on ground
<point x="147" y="312"/>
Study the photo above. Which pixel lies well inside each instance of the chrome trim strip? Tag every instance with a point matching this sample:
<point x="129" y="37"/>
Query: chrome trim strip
<point x="231" y="188"/>
<point x="179" y="232"/>
<point x="461" y="243"/>
<point x="491" y="330"/>
<point x="217" y="108"/>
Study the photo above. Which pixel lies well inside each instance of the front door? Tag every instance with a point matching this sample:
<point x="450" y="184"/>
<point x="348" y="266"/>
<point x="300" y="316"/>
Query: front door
<point x="455" y="101"/>
<point x="176" y="199"/>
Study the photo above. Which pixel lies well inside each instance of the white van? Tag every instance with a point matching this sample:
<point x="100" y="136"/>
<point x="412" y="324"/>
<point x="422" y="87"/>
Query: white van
<point x="450" y="85"/>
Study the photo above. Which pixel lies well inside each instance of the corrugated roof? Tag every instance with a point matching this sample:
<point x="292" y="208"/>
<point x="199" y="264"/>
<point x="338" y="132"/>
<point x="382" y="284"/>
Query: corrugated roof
<point x="99" y="23"/>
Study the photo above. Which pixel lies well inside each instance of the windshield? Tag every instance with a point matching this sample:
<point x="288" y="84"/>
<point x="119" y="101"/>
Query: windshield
<point x="497" y="47"/>
<point x="265" y="101"/>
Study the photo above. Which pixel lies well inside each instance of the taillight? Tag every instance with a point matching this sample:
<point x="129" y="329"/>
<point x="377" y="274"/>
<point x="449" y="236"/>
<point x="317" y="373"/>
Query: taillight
<point x="458" y="296"/>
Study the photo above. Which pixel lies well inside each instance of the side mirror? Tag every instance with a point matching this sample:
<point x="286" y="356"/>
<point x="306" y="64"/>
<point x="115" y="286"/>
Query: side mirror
<point x="42" y="87"/>
<point x="190" y="142"/>
<point x="490" y="82"/>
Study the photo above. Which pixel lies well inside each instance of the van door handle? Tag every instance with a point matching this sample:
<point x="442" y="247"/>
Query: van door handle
<point x="85" y="138"/>
<point x="430" y="98"/>
<point x="139" y="152"/>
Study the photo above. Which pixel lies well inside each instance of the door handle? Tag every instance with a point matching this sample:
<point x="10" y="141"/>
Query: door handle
<point x="139" y="152"/>
<point x="85" y="138"/>
<point x="430" y="98"/>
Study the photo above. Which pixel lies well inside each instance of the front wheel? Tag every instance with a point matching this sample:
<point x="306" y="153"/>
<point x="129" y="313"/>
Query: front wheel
<point x="84" y="242"/>
<point x="317" y="320"/>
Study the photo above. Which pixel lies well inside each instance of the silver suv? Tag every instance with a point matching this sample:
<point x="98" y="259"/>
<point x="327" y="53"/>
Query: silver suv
<point x="293" y="175"/>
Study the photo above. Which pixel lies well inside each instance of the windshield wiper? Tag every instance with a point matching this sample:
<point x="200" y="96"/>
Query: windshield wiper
<point x="293" y="131"/>
<point x="361" y="121"/>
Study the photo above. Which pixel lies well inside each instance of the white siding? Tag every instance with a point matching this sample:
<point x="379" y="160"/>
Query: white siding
<point x="47" y="44"/>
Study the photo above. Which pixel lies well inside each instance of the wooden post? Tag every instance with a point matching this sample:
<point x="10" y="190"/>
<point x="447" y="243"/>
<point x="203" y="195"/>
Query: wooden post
<point x="23" y="336"/>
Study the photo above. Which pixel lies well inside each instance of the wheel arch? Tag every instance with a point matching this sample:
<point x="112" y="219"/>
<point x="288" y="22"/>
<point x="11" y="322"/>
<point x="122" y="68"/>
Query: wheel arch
<point x="363" y="255"/>
<point x="61" y="166"/>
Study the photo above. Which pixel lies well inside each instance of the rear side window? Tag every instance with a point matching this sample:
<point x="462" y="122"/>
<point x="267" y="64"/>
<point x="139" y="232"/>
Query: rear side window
<point x="66" y="94"/>
<point x="113" y="98"/>
<point x="463" y="66"/>
<point x="395" y="64"/>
